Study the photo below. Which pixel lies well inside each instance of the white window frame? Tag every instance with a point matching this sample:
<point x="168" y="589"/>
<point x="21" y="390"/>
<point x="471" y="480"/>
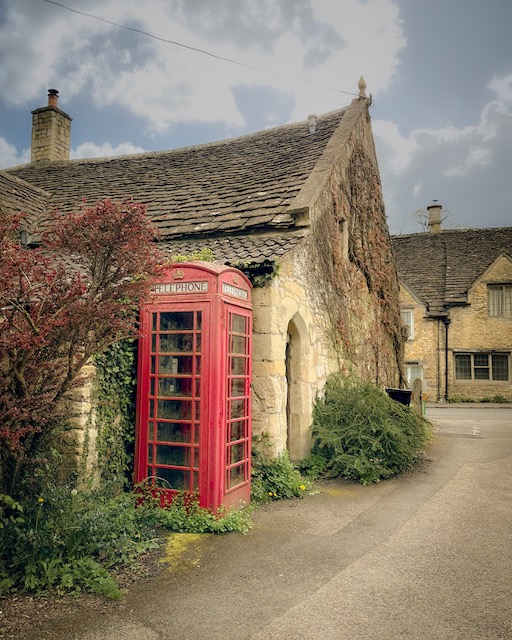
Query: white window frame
<point x="499" y="300"/>
<point x="409" y="366"/>
<point x="409" y="311"/>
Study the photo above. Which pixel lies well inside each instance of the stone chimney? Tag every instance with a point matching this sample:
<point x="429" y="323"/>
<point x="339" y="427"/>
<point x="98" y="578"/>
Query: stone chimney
<point x="51" y="131"/>
<point x="434" y="217"/>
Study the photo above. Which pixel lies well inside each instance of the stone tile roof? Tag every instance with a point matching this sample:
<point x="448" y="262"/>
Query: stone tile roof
<point x="254" y="249"/>
<point x="19" y="196"/>
<point x="440" y="268"/>
<point x="238" y="186"/>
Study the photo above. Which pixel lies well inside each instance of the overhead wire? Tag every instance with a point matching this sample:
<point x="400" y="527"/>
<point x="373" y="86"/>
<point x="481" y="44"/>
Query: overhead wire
<point x="196" y="49"/>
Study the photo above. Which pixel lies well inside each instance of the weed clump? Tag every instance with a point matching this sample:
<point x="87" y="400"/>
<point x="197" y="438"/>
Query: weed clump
<point x="362" y="434"/>
<point x="277" y="478"/>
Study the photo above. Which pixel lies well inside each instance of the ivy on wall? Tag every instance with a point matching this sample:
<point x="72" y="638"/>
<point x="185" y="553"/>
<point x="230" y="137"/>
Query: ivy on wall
<point x="351" y="255"/>
<point x="115" y="396"/>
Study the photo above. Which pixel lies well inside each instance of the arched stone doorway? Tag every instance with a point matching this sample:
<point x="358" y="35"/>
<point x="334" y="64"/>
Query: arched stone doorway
<point x="299" y="396"/>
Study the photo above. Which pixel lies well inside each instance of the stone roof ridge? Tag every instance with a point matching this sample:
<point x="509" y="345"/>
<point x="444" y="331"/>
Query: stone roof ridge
<point x="428" y="234"/>
<point x="190" y="148"/>
<point x="335" y="146"/>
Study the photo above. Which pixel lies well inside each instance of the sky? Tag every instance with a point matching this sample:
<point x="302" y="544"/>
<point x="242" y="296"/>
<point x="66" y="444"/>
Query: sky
<point x="147" y="75"/>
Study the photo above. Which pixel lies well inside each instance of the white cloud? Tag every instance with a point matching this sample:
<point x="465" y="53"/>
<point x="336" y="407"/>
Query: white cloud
<point x="502" y="87"/>
<point x="317" y="42"/>
<point x="91" y="150"/>
<point x="460" y="165"/>
<point x="9" y="155"/>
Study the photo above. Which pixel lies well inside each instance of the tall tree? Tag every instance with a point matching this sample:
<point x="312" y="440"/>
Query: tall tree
<point x="72" y="296"/>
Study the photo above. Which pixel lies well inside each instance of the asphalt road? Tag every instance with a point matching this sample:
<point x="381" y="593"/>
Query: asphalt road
<point x="424" y="556"/>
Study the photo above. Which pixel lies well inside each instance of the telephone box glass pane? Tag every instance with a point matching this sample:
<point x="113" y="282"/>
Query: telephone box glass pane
<point x="238" y="366"/>
<point x="173" y="432"/>
<point x="237" y="453"/>
<point x="175" y="364"/>
<point x="238" y="344"/>
<point x="237" y="430"/>
<point x="178" y="456"/>
<point x="237" y="409"/>
<point x="239" y="324"/>
<point x="174" y="478"/>
<point x="175" y="387"/>
<point x="236" y="475"/>
<point x="175" y="409"/>
<point x="176" y="343"/>
<point x="237" y="387"/>
<point x="177" y="321"/>
<point x="167" y="364"/>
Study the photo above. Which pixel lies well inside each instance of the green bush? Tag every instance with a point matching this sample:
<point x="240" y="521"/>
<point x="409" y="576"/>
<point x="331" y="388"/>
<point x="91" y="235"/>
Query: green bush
<point x="364" y="435"/>
<point x="276" y="478"/>
<point x="69" y="541"/>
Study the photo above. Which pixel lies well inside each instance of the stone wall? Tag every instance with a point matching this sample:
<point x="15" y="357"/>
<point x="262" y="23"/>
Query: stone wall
<point x="81" y="440"/>
<point x="423" y="347"/>
<point x="291" y="360"/>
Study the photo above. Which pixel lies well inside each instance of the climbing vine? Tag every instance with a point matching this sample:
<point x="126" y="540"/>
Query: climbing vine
<point x="115" y="413"/>
<point x="370" y="250"/>
<point x="351" y="255"/>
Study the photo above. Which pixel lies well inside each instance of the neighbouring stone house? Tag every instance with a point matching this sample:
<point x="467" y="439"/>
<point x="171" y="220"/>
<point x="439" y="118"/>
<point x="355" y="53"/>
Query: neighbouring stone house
<point x="298" y="208"/>
<point x="456" y="300"/>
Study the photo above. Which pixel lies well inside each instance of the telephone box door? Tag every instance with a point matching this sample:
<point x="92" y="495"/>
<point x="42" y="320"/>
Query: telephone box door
<point x="170" y="403"/>
<point x="237" y="459"/>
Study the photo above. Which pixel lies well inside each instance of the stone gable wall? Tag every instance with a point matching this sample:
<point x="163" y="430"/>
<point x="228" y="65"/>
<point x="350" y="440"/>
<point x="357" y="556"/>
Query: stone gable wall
<point x="324" y="311"/>
<point x="471" y="330"/>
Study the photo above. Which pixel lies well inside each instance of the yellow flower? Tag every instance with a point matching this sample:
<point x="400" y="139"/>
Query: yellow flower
<point x="270" y="493"/>
<point x="302" y="487"/>
<point x="40" y="500"/>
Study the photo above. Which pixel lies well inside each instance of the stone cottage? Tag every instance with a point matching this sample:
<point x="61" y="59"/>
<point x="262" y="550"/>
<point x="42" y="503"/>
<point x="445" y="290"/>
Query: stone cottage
<point x="456" y="300"/>
<point x="298" y="208"/>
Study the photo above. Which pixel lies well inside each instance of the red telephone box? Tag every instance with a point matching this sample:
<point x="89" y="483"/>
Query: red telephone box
<point x="194" y="376"/>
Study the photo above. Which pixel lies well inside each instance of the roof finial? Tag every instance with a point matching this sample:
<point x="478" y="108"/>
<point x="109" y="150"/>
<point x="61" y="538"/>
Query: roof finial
<point x="361" y="86"/>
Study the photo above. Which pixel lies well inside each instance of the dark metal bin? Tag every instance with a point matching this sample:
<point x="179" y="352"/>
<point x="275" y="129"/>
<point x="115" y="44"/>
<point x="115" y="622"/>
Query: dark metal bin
<point x="403" y="396"/>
